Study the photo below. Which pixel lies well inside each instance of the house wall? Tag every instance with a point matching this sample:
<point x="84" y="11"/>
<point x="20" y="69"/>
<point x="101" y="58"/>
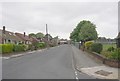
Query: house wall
<point x="6" y="41"/>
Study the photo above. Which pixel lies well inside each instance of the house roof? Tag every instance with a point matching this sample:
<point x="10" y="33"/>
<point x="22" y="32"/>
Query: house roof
<point x="25" y="38"/>
<point x="9" y="35"/>
<point x="33" y="39"/>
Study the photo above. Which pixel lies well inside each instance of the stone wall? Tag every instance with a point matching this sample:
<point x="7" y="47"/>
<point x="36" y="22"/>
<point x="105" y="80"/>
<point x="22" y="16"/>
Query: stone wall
<point x="109" y="62"/>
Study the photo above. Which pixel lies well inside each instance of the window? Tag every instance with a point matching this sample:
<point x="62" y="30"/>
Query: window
<point x="9" y="41"/>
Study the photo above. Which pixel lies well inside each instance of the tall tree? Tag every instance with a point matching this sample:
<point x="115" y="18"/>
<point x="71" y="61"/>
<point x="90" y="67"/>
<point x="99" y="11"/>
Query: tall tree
<point x="32" y="35"/>
<point x="39" y="35"/>
<point x="84" y="31"/>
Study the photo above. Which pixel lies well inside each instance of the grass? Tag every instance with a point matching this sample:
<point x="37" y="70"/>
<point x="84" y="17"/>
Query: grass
<point x="106" y="46"/>
<point x="106" y="53"/>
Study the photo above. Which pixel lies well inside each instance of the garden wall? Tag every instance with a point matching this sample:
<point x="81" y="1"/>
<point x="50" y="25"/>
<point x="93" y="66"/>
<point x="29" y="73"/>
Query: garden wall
<point x="109" y="62"/>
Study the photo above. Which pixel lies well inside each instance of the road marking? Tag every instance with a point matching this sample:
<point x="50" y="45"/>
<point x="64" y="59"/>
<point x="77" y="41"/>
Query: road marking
<point x="77" y="78"/>
<point x="75" y="72"/>
<point x="76" y="75"/>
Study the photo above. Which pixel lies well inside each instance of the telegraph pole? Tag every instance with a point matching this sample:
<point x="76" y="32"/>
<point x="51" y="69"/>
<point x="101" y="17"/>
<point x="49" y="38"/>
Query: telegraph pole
<point x="47" y="36"/>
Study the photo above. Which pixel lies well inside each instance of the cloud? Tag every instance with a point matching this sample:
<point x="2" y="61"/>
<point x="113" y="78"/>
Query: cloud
<point x="61" y="17"/>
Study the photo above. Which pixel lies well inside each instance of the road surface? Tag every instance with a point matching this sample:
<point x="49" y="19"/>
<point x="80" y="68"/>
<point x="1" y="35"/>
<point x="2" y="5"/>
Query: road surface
<point x="53" y="63"/>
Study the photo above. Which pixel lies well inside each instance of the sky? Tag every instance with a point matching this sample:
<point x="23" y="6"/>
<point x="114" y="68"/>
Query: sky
<point x="61" y="17"/>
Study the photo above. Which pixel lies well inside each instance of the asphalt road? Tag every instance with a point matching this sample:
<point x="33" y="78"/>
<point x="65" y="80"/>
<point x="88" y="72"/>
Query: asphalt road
<point x="53" y="63"/>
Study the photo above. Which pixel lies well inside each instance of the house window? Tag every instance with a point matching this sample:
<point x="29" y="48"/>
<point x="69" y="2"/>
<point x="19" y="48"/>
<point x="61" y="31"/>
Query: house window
<point x="9" y="41"/>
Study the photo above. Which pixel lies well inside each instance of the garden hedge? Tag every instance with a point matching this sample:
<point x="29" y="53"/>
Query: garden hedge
<point x="9" y="48"/>
<point x="6" y="48"/>
<point x="97" y="47"/>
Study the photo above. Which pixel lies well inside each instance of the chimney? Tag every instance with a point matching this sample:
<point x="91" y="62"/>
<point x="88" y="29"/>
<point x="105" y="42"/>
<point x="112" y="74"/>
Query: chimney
<point x="4" y="29"/>
<point x="24" y="34"/>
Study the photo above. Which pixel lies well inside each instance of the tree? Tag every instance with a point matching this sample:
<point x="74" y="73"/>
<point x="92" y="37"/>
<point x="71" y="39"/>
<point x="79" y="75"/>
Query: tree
<point x="32" y="35"/>
<point x="48" y="36"/>
<point x="84" y="31"/>
<point x="39" y="35"/>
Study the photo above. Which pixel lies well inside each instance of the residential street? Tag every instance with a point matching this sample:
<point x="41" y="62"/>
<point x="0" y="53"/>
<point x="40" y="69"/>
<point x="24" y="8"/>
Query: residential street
<point x="52" y="63"/>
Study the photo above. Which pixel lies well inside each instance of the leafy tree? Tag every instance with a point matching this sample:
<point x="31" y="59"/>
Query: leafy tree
<point x="39" y="35"/>
<point x="84" y="31"/>
<point x="32" y="35"/>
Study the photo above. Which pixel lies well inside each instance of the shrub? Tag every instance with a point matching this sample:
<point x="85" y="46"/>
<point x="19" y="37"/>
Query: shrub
<point x="106" y="54"/>
<point x="18" y="48"/>
<point x="7" y="48"/>
<point x="111" y="49"/>
<point x="30" y="47"/>
<point x="96" y="47"/>
<point x="25" y="47"/>
<point x="116" y="54"/>
<point x="41" y="45"/>
<point x="88" y="44"/>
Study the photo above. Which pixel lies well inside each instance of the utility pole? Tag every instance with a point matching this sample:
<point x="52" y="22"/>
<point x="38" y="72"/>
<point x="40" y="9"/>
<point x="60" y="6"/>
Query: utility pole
<point x="47" y="36"/>
<point x="47" y="33"/>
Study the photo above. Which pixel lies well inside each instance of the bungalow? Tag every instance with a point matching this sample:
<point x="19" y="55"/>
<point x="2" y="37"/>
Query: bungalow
<point x="26" y="39"/>
<point x="8" y="37"/>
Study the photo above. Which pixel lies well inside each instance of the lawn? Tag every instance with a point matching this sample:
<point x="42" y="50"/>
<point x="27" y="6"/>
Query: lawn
<point x="106" y="46"/>
<point x="109" y="54"/>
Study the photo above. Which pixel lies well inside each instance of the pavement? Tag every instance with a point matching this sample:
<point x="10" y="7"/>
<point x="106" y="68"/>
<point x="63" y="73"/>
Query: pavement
<point x="88" y="65"/>
<point x="20" y="54"/>
<point x="53" y="63"/>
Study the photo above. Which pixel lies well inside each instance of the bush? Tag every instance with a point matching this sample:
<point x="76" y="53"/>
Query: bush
<point x="18" y="48"/>
<point x="97" y="47"/>
<point x="106" y="54"/>
<point x="30" y="47"/>
<point x="7" y="48"/>
<point x="41" y="45"/>
<point x="116" y="54"/>
<point x="88" y="44"/>
<point x="111" y="49"/>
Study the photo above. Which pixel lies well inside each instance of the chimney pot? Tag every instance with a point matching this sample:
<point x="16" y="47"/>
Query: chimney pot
<point x="4" y="29"/>
<point x="24" y="34"/>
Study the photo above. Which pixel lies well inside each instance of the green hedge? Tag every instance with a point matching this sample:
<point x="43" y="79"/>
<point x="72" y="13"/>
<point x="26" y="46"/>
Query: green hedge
<point x="9" y="48"/>
<point x="97" y="47"/>
<point x="6" y="48"/>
